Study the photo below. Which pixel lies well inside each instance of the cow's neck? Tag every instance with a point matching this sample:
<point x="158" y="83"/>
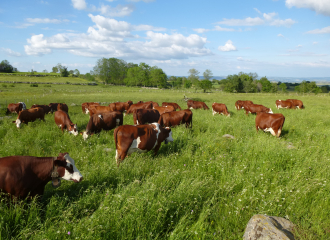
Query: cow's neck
<point x="43" y="167"/>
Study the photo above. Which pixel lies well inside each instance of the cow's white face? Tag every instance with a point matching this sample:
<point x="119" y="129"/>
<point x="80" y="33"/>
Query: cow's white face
<point x="74" y="130"/>
<point x="85" y="135"/>
<point x="71" y="176"/>
<point x="169" y="138"/>
<point x="270" y="111"/>
<point x="18" y="123"/>
<point x="86" y="110"/>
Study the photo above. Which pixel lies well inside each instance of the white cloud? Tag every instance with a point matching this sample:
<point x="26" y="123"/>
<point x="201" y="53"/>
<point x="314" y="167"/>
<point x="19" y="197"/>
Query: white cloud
<point x="320" y="31"/>
<point x="10" y="52"/>
<point x="269" y="16"/>
<point x="79" y="4"/>
<point x="44" y="20"/>
<point x="118" y="11"/>
<point x="319" y="6"/>
<point x="218" y="28"/>
<point x="201" y="30"/>
<point x="257" y="10"/>
<point x="280" y="35"/>
<point x="314" y="43"/>
<point x="278" y="22"/>
<point x="146" y="1"/>
<point x="227" y="47"/>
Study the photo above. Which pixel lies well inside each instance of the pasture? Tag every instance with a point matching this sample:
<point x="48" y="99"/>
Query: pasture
<point x="201" y="186"/>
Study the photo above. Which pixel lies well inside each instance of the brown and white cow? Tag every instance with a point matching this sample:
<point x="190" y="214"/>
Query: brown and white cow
<point x="94" y="109"/>
<point x="103" y="121"/>
<point x="29" y="115"/>
<point x="135" y="106"/>
<point x="120" y="106"/>
<point x="85" y="105"/>
<point x="15" y="107"/>
<point x="272" y="123"/>
<point x="27" y="176"/>
<point x="63" y="107"/>
<point x="239" y="104"/>
<point x="297" y="103"/>
<point x="220" y="108"/>
<point x="175" y="105"/>
<point x="63" y="121"/>
<point x="144" y="116"/>
<point x="284" y="104"/>
<point x="163" y="110"/>
<point x="140" y="138"/>
<point x="171" y="119"/>
<point x="255" y="108"/>
<point x="47" y="109"/>
<point x="196" y="105"/>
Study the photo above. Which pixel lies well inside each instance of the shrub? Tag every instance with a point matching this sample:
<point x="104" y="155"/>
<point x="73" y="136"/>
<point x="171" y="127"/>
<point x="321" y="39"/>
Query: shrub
<point x="33" y="85"/>
<point x="47" y="85"/>
<point x="4" y="85"/>
<point x="12" y="85"/>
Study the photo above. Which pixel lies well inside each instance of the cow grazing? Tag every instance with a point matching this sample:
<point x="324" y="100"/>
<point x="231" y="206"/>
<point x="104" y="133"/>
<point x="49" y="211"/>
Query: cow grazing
<point x="196" y="105"/>
<point x="120" y="106"/>
<point x="94" y="109"/>
<point x="296" y="103"/>
<point x="163" y="110"/>
<point x="239" y="104"/>
<point x="171" y="119"/>
<point x="63" y="121"/>
<point x="63" y="107"/>
<point x="154" y="104"/>
<point x="141" y="138"/>
<point x="220" y="108"/>
<point x="255" y="108"/>
<point x="47" y="109"/>
<point x="103" y="121"/>
<point x="175" y="105"/>
<point x="144" y="116"/>
<point x="272" y="123"/>
<point x="15" y="107"/>
<point x="284" y="104"/>
<point x="135" y="106"/>
<point x="27" y="176"/>
<point x="53" y="106"/>
<point x="85" y="105"/>
<point x="29" y="115"/>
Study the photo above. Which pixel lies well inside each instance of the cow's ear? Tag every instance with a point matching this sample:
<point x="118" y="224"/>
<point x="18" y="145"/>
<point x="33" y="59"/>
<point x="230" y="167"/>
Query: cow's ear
<point x="61" y="155"/>
<point x="60" y="163"/>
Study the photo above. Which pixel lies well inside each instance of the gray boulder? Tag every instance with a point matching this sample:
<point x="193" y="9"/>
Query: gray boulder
<point x="265" y="227"/>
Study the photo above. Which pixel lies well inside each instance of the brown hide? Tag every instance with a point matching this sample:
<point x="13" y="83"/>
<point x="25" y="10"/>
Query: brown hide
<point x="175" y="105"/>
<point x="220" y="108"/>
<point x="126" y="134"/>
<point x="171" y="119"/>
<point x="297" y="103"/>
<point x="47" y="109"/>
<point x="30" y="115"/>
<point x="104" y="121"/>
<point x="63" y="107"/>
<point x="196" y="105"/>
<point x="53" y="106"/>
<point x="144" y="116"/>
<point x="98" y="109"/>
<point x="63" y="121"/>
<point x="133" y="107"/>
<point x="254" y="108"/>
<point x="14" y="108"/>
<point x="284" y="104"/>
<point x="163" y="110"/>
<point x="23" y="176"/>
<point x="120" y="106"/>
<point x="240" y="104"/>
<point x="87" y="104"/>
<point x="268" y="120"/>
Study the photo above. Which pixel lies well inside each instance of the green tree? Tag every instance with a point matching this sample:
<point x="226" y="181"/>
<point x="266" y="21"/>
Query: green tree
<point x="158" y="77"/>
<point x="6" y="67"/>
<point x="187" y="83"/>
<point x="274" y="88"/>
<point x="64" y="72"/>
<point x="283" y="87"/>
<point x="76" y="72"/>
<point x="266" y="84"/>
<point x="111" y="70"/>
<point x="55" y="69"/>
<point x="207" y="74"/>
<point x="193" y="76"/>
<point x="205" y="85"/>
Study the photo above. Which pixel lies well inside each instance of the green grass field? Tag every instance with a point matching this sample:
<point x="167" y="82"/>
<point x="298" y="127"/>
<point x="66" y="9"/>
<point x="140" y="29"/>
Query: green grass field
<point x="50" y="78"/>
<point x="201" y="186"/>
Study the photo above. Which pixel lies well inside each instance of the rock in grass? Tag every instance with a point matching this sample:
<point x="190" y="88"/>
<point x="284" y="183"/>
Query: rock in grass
<point x="108" y="149"/>
<point x="268" y="227"/>
<point x="73" y="104"/>
<point x="228" y="136"/>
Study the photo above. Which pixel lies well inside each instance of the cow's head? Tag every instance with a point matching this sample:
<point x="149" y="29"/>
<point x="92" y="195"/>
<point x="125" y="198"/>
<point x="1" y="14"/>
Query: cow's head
<point x="169" y="138"/>
<point x="18" y="123"/>
<point x="73" y="129"/>
<point x="68" y="171"/>
<point x="85" y="135"/>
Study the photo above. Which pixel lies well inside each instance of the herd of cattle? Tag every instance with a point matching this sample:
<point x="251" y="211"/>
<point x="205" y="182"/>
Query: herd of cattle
<point x="22" y="176"/>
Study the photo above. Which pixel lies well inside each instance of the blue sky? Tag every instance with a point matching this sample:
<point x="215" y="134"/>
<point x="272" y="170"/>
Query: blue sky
<point x="283" y="38"/>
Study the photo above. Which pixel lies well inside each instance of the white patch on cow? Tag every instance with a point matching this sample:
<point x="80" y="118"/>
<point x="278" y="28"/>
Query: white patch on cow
<point x="213" y="112"/>
<point x="18" y="123"/>
<point x="74" y="131"/>
<point x="100" y="116"/>
<point x="60" y="125"/>
<point x="85" y="135"/>
<point x="298" y="107"/>
<point x="23" y="105"/>
<point x="270" y="111"/>
<point x="117" y="122"/>
<point x="279" y="132"/>
<point x="270" y="130"/>
<point x="135" y="147"/>
<point x="280" y="100"/>
<point x="86" y="110"/>
<point x="158" y="132"/>
<point x="76" y="175"/>
<point x="137" y="122"/>
<point x="169" y="138"/>
<point x="191" y="108"/>
<point x="124" y="114"/>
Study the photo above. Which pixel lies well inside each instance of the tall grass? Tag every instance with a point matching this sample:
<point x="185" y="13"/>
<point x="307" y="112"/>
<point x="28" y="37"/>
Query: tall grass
<point x="201" y="186"/>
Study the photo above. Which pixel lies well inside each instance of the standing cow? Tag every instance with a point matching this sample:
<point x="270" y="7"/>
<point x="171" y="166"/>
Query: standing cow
<point x="15" y="107"/>
<point x="272" y="123"/>
<point x="171" y="119"/>
<point x="175" y="105"/>
<point x="196" y="105"/>
<point x="63" y="121"/>
<point x="144" y="116"/>
<point x="29" y="115"/>
<point x="141" y="138"/>
<point x="220" y="108"/>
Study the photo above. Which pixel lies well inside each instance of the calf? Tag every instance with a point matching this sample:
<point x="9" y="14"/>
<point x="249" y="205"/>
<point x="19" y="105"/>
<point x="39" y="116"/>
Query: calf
<point x="144" y="116"/>
<point x="272" y="123"/>
<point x="47" y="109"/>
<point x="63" y="121"/>
<point x="254" y="108"/>
<point x="220" y="108"/>
<point x="103" y="121"/>
<point x="284" y="104"/>
<point x="239" y="104"/>
<point x="141" y="138"/>
<point x="171" y="119"/>
<point x="196" y="105"/>
<point x="15" y="107"/>
<point x="27" y="176"/>
<point x="175" y="105"/>
<point x="296" y="103"/>
<point x="29" y="115"/>
<point x="162" y="110"/>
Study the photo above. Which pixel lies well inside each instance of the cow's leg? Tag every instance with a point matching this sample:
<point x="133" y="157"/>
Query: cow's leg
<point x="156" y="148"/>
<point x="279" y="132"/>
<point x="257" y="128"/>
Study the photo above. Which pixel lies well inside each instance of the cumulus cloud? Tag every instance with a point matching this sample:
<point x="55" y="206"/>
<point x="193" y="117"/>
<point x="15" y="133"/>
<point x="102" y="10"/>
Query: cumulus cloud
<point x="10" y="52"/>
<point x="320" y="31"/>
<point x="118" y="11"/>
<point x="242" y="22"/>
<point x="109" y="37"/>
<point x="227" y="47"/>
<point x="201" y="30"/>
<point x="216" y="28"/>
<point x="79" y="4"/>
<point x="319" y="6"/>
